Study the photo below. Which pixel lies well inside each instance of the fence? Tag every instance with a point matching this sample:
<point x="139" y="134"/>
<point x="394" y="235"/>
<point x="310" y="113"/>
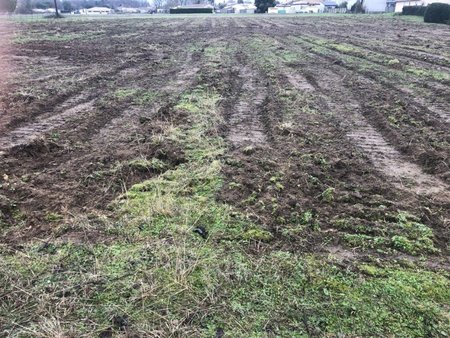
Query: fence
<point x="335" y="10"/>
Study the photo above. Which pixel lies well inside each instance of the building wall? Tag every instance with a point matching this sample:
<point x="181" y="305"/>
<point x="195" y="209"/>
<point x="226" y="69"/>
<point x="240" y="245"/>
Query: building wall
<point x="281" y="10"/>
<point x="374" y="5"/>
<point x="93" y="11"/>
<point x="308" y="8"/>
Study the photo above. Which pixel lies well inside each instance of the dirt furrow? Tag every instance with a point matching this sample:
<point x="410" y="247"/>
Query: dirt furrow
<point x="26" y="134"/>
<point x="403" y="173"/>
<point x="370" y="87"/>
<point x="440" y="109"/>
<point x="427" y="59"/>
<point x="298" y="81"/>
<point x="245" y="126"/>
<point x="128" y="122"/>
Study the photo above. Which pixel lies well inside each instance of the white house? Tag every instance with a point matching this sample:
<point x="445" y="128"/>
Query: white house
<point x="281" y="9"/>
<point x="122" y="9"/>
<point x="43" y="11"/>
<point x="370" y="6"/>
<point x="302" y="6"/>
<point x="246" y="8"/>
<point x="96" y="11"/>
<point x="308" y="6"/>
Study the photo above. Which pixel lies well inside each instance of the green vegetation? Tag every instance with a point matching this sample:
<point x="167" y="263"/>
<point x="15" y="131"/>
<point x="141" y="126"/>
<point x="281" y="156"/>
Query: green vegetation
<point x="34" y="36"/>
<point x="328" y="194"/>
<point x="195" y="287"/>
<point x="53" y="217"/>
<point x="136" y="95"/>
<point x="414" y="10"/>
<point x="368" y="60"/>
<point x="263" y="5"/>
<point x="437" y="13"/>
<point x="406" y="234"/>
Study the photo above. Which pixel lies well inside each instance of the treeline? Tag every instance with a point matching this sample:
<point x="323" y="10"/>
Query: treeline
<point x="27" y="6"/>
<point x="77" y="4"/>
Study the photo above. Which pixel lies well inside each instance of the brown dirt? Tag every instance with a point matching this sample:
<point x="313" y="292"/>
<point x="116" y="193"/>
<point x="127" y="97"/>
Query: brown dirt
<point x="354" y="129"/>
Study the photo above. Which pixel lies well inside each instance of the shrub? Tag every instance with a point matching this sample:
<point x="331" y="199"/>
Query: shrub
<point x="414" y="10"/>
<point x="191" y="10"/>
<point x="437" y="13"/>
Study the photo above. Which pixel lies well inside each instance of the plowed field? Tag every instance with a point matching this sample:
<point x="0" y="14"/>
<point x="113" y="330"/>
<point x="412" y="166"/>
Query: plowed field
<point x="224" y="176"/>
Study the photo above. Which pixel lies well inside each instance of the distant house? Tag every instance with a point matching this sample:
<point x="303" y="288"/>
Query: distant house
<point x="281" y="9"/>
<point x="390" y="6"/>
<point x="244" y="8"/>
<point x="308" y="6"/>
<point x="329" y="4"/>
<point x="43" y="11"/>
<point x="95" y="11"/>
<point x="370" y="6"/>
<point x="302" y="6"/>
<point x="127" y="10"/>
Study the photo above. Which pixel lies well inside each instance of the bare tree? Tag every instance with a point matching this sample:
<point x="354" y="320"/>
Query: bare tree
<point x="57" y="15"/>
<point x="158" y="3"/>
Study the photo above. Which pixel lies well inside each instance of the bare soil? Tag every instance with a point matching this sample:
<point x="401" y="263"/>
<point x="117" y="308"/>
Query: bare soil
<point x="378" y="139"/>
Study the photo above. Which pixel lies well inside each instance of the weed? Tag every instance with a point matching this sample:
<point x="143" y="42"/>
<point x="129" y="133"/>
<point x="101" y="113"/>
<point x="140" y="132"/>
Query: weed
<point x="365" y="241"/>
<point x="328" y="194"/>
<point x="234" y="185"/>
<point x="248" y="150"/>
<point x="257" y="235"/>
<point x="53" y="217"/>
<point x="138" y="96"/>
<point x="142" y="164"/>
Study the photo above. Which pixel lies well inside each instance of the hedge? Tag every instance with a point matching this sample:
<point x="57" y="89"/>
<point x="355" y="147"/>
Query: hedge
<point x="437" y="13"/>
<point x="414" y="10"/>
<point x="190" y="10"/>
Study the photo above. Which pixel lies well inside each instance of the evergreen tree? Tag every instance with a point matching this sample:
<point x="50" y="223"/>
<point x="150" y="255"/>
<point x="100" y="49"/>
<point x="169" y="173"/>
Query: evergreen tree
<point x="262" y="5"/>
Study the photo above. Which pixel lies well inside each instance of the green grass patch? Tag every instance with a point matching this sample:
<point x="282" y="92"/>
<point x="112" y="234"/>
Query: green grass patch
<point x="135" y="95"/>
<point x="39" y="36"/>
<point x="406" y="234"/>
<point x="188" y="286"/>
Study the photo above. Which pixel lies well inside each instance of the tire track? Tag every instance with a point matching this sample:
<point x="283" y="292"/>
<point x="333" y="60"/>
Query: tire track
<point x="245" y="125"/>
<point x="436" y="109"/>
<point x="406" y="175"/>
<point x="384" y="157"/>
<point x="128" y="121"/>
<point x="77" y="107"/>
<point x="70" y="111"/>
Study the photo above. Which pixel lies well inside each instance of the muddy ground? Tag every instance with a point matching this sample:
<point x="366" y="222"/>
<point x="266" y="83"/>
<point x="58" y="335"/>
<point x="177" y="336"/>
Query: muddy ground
<point x="337" y="123"/>
<point x="383" y="139"/>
